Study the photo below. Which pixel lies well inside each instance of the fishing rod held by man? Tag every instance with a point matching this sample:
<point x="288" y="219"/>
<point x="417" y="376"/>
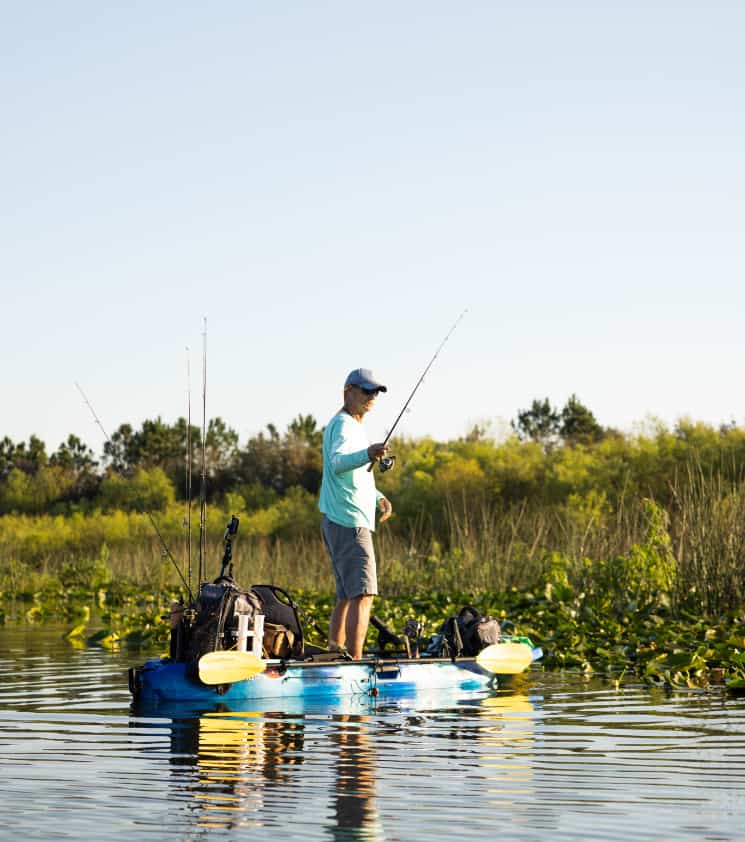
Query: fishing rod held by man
<point x="387" y="465"/>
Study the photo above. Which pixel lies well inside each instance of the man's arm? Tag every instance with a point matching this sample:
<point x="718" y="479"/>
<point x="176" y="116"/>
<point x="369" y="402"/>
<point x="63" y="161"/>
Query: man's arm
<point x="342" y="462"/>
<point x="343" y="459"/>
<point x="386" y="509"/>
<point x="341" y="456"/>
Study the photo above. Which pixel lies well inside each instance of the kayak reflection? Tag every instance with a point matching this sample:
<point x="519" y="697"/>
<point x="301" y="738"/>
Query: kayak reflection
<point x="319" y="767"/>
<point x="355" y="812"/>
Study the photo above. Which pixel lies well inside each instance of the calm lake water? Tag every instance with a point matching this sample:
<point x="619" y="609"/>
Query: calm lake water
<point x="558" y="757"/>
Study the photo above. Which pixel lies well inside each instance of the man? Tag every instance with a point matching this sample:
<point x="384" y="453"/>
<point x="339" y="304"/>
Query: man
<point x="348" y="501"/>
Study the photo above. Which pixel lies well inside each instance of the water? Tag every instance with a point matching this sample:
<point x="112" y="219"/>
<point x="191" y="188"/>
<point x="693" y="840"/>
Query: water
<point x="558" y="757"/>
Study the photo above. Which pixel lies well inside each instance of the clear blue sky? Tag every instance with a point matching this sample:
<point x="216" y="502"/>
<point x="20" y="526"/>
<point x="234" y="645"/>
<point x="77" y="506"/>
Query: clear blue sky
<point x="331" y="183"/>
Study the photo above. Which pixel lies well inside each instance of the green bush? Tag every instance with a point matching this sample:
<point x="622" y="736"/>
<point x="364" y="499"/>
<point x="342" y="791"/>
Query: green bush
<point x="147" y="490"/>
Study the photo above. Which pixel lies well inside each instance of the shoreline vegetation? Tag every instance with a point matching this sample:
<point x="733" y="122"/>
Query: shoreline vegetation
<point x="617" y="553"/>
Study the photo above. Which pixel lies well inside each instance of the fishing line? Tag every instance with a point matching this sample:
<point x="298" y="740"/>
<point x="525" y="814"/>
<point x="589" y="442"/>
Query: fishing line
<point x="414" y="391"/>
<point x="166" y="551"/>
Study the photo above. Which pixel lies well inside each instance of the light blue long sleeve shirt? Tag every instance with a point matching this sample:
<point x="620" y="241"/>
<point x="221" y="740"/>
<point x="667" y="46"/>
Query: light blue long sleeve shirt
<point x="348" y="493"/>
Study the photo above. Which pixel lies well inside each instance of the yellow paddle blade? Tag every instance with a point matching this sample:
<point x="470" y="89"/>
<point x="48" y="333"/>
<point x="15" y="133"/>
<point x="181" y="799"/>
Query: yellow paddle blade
<point x="505" y="658"/>
<point x="227" y="667"/>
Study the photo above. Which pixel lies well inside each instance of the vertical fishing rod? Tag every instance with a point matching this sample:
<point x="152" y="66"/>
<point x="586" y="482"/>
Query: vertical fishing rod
<point x="162" y="540"/>
<point x="188" y="465"/>
<point x="418" y="384"/>
<point x="203" y="484"/>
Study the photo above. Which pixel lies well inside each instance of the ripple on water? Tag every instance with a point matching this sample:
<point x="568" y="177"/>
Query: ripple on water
<point x="561" y="756"/>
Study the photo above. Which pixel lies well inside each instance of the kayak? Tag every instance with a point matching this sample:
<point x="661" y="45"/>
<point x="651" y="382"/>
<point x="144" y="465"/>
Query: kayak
<point x="167" y="680"/>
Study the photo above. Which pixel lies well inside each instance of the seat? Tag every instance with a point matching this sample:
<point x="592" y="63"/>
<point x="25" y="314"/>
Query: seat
<point x="279" y="609"/>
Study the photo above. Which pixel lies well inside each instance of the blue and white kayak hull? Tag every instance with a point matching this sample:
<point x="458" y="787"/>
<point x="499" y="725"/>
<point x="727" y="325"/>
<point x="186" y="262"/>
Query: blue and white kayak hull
<point x="173" y="681"/>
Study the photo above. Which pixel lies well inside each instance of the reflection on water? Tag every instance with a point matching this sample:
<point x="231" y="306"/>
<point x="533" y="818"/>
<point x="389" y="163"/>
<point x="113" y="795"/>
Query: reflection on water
<point x="244" y="761"/>
<point x="355" y="813"/>
<point x="229" y="758"/>
<point x="555" y="756"/>
<point x="237" y="755"/>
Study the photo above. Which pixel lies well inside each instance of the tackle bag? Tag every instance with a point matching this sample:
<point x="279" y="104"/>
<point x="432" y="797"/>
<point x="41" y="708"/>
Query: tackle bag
<point x="465" y="635"/>
<point x="278" y="641"/>
<point x="477" y="632"/>
<point x="215" y="620"/>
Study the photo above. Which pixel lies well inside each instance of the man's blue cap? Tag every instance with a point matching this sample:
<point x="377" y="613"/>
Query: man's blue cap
<point x="365" y="379"/>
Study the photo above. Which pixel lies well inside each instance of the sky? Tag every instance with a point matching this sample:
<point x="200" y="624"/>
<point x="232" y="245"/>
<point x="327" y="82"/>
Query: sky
<point x="331" y="184"/>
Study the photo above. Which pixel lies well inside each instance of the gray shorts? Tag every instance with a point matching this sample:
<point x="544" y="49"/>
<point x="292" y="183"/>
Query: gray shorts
<point x="352" y="559"/>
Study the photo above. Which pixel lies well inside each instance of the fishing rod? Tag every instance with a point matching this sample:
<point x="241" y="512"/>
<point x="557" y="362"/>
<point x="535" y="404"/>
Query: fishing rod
<point x="203" y="483"/>
<point x="162" y="540"/>
<point x="386" y="463"/>
<point x="188" y="465"/>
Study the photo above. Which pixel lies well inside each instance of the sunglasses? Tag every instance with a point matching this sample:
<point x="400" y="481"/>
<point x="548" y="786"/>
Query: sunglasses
<point x="369" y="392"/>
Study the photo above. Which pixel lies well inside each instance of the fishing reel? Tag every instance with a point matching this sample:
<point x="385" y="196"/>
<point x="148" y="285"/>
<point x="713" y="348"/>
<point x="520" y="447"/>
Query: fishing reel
<point x="386" y="463"/>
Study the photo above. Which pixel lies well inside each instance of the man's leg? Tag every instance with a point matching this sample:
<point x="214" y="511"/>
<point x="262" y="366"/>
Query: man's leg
<point x="358" y="619"/>
<point x="337" y="628"/>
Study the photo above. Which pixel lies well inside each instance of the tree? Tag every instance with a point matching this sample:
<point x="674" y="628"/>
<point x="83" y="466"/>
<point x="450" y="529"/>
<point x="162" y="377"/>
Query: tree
<point x="220" y="456"/>
<point x="27" y="458"/>
<point x="7" y="457"/>
<point x="261" y="460"/>
<point x="73" y="454"/>
<point x="154" y="444"/>
<point x="119" y="450"/>
<point x="160" y="445"/>
<point x="281" y="462"/>
<point x="540" y="423"/>
<point x="32" y="482"/>
<point x="76" y="459"/>
<point x="305" y="428"/>
<point x="221" y="445"/>
<point x="578" y="424"/>
<point x="302" y="454"/>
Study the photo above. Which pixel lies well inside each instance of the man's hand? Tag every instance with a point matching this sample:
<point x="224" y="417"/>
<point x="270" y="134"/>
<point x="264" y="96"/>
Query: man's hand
<point x="377" y="451"/>
<point x="386" y="509"/>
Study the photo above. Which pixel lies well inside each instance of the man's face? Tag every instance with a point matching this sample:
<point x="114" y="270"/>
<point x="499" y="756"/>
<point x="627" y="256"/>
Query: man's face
<point x="358" y="401"/>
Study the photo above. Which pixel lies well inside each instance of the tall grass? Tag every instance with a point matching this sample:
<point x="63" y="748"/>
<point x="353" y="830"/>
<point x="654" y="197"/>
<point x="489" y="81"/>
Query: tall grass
<point x="708" y="536"/>
<point x="693" y="550"/>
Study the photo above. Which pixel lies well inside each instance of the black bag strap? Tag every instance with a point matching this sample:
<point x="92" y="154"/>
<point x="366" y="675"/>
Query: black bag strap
<point x="456" y="637"/>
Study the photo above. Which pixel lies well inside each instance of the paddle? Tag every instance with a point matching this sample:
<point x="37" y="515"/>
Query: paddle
<point x="505" y="658"/>
<point x="225" y="667"/>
